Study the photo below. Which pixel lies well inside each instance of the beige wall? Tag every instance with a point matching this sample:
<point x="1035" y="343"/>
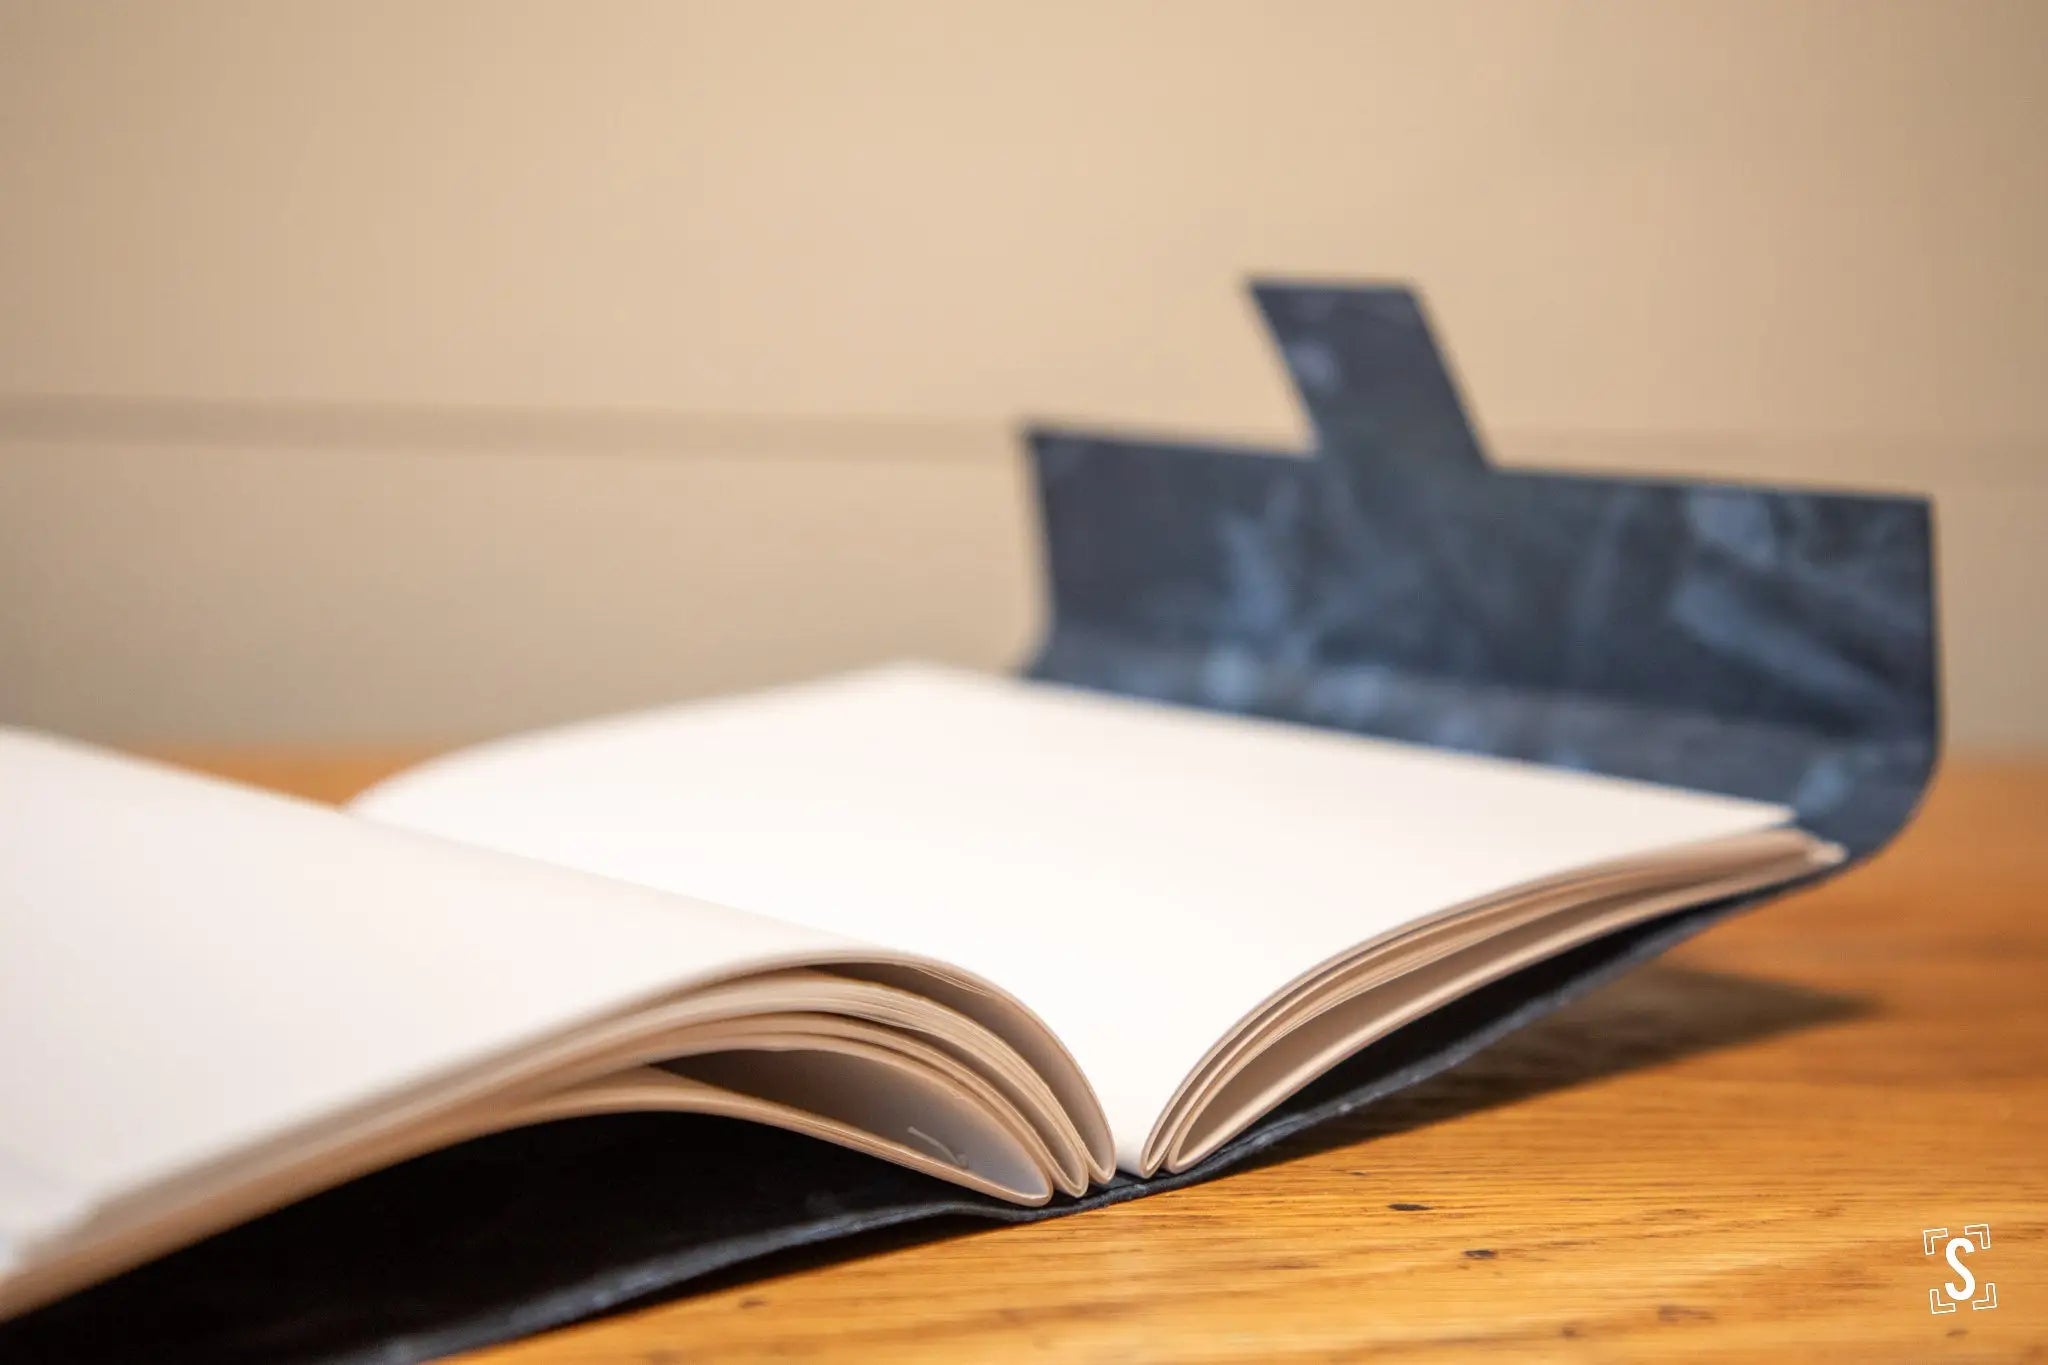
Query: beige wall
<point x="396" y="370"/>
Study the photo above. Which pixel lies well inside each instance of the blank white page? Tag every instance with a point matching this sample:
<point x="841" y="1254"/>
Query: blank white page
<point x="188" y="967"/>
<point x="1141" y="875"/>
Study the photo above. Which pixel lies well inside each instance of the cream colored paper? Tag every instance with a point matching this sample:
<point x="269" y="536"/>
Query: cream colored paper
<point x="1143" y="876"/>
<point x="213" y="1000"/>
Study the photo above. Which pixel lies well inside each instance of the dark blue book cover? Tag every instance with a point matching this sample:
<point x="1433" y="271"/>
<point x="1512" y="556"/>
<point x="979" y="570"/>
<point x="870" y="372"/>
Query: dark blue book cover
<point x="1768" y="643"/>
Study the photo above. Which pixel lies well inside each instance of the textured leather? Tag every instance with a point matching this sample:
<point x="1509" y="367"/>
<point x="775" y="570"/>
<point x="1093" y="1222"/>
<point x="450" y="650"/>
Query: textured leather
<point x="1762" y="642"/>
<point x="1766" y="643"/>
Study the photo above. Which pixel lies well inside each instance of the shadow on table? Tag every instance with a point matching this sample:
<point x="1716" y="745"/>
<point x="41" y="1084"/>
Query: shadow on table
<point x="1653" y="1015"/>
<point x="521" y="1231"/>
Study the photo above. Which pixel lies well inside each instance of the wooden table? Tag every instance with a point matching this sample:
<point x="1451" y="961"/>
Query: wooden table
<point x="1733" y="1152"/>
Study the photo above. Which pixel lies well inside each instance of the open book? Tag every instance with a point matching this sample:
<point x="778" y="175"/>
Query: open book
<point x="1010" y="934"/>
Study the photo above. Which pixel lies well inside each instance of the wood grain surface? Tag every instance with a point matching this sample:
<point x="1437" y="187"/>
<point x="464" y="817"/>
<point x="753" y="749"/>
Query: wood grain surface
<point x="1731" y="1153"/>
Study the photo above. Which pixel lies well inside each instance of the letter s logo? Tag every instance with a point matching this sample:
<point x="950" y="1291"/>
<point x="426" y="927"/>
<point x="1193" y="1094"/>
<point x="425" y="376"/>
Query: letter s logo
<point x="1959" y="1247"/>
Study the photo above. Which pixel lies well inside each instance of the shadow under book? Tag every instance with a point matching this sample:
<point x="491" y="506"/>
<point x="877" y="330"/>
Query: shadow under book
<point x="1329" y="772"/>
